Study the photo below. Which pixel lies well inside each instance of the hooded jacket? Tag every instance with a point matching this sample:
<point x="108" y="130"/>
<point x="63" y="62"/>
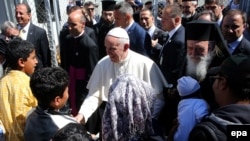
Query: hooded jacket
<point x="42" y="125"/>
<point x="235" y="114"/>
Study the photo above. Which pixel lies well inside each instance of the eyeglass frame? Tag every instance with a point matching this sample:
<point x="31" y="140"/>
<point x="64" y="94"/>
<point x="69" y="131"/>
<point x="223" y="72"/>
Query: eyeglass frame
<point x="92" y="9"/>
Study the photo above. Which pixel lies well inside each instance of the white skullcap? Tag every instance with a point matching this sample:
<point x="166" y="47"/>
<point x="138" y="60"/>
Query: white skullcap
<point x="118" y="32"/>
<point x="187" y="85"/>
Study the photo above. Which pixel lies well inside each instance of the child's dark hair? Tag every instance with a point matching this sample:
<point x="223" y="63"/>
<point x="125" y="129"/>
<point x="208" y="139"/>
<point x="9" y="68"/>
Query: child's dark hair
<point x="48" y="83"/>
<point x="16" y="49"/>
<point x="72" y="132"/>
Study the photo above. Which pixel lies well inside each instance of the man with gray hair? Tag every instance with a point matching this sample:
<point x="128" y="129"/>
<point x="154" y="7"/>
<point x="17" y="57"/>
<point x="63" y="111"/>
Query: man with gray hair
<point x="140" y="40"/>
<point x="8" y="30"/>
<point x="188" y="10"/>
<point x="120" y="60"/>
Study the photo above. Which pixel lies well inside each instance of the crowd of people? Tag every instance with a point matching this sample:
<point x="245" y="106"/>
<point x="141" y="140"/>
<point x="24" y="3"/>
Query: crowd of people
<point x="127" y="76"/>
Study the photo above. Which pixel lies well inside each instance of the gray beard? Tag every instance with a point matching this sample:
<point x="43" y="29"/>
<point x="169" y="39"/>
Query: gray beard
<point x="198" y="70"/>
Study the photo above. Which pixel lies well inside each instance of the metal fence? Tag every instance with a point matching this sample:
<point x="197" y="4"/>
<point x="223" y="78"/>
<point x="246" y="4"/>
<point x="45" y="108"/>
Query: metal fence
<point x="43" y="15"/>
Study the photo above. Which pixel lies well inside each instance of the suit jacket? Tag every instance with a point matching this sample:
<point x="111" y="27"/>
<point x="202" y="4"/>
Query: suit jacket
<point x="140" y="40"/>
<point x="38" y="37"/>
<point x="171" y="62"/>
<point x="162" y="38"/>
<point x="91" y="33"/>
<point x="243" y="47"/>
<point x="172" y="57"/>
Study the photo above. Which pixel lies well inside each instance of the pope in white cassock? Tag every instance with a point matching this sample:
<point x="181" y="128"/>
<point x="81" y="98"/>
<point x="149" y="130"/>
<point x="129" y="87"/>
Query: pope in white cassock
<point x="120" y="60"/>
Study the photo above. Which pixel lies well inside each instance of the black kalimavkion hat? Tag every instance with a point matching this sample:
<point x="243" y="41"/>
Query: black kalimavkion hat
<point x="108" y="5"/>
<point x="206" y="31"/>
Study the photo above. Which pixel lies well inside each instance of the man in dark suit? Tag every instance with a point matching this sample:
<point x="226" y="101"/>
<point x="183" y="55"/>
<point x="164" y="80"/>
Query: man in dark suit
<point x="233" y="26"/>
<point x="158" y="36"/>
<point x="140" y="40"/>
<point x="172" y="59"/>
<point x="33" y="34"/>
<point x="172" y="56"/>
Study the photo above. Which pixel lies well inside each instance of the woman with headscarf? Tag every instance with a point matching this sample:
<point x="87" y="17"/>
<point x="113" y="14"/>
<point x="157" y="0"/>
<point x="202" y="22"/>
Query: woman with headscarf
<point x="127" y="116"/>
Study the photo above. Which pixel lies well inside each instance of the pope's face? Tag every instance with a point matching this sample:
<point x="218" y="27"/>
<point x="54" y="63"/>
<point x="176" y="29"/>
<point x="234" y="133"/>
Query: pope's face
<point x="115" y="49"/>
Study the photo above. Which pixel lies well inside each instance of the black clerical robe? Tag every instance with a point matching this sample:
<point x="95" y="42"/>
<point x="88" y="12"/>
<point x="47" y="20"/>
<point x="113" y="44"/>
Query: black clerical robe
<point x="79" y="57"/>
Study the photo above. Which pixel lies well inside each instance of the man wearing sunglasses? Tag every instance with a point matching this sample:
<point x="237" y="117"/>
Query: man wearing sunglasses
<point x="90" y="7"/>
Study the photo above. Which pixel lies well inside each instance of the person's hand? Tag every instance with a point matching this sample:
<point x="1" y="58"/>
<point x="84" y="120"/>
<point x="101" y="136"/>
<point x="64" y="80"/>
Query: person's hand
<point x="173" y="130"/>
<point x="80" y="118"/>
<point x="154" y="42"/>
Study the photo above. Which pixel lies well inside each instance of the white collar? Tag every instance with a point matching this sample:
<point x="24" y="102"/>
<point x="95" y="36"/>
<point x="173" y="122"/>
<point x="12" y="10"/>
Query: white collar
<point x="25" y="28"/>
<point x="127" y="28"/>
<point x="171" y="33"/>
<point x="219" y="20"/>
<point x="151" y="30"/>
<point x="79" y="34"/>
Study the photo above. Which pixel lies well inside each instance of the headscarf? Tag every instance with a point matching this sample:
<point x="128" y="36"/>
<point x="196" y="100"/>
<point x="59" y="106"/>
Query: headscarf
<point x="127" y="116"/>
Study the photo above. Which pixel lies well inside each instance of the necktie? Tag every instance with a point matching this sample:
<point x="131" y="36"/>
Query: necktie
<point x="161" y="52"/>
<point x="21" y="33"/>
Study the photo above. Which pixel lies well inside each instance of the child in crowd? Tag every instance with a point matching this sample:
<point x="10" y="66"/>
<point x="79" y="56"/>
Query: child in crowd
<point x="191" y="109"/>
<point x="50" y="87"/>
<point x="16" y="98"/>
<point x="72" y="132"/>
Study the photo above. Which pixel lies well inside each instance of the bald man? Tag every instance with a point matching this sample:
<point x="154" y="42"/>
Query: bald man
<point x="79" y="57"/>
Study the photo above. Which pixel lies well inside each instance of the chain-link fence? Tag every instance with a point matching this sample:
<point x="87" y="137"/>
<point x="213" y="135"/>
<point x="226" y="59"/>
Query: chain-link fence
<point x="225" y="2"/>
<point x="42" y="12"/>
